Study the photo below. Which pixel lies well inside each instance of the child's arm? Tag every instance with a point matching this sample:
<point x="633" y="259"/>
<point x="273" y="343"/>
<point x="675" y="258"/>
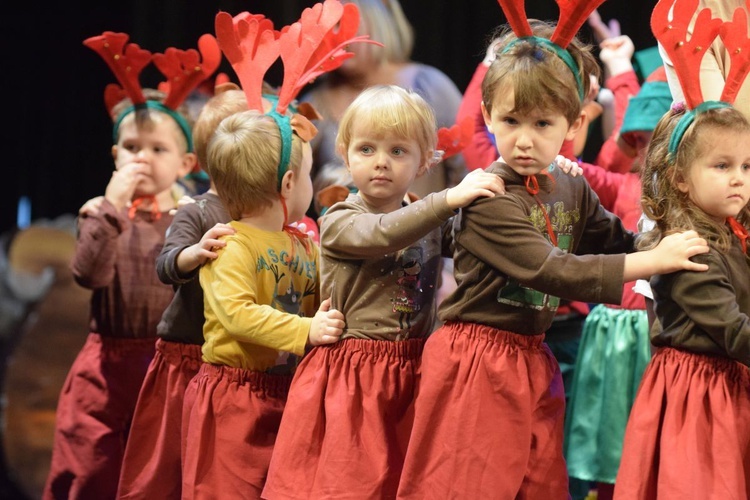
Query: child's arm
<point x="349" y="232"/>
<point x="190" y="258"/>
<point x="672" y="254"/>
<point x="99" y="226"/>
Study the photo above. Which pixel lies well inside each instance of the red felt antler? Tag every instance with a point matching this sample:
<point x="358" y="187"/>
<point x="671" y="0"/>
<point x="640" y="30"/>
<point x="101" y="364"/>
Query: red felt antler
<point x="184" y="69"/>
<point x="573" y="13"/>
<point x="515" y="11"/>
<point x="686" y="55"/>
<point x="313" y="45"/>
<point x="251" y="46"/>
<point x="454" y="139"/>
<point x="734" y="36"/>
<point x="126" y="60"/>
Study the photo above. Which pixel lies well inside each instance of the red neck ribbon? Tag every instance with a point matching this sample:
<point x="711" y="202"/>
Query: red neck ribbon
<point x="532" y="187"/>
<point x="739" y="230"/>
<point x="155" y="213"/>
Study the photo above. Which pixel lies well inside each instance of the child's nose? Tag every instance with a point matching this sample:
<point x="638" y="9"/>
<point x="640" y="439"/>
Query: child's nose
<point x="524" y="140"/>
<point x="382" y="160"/>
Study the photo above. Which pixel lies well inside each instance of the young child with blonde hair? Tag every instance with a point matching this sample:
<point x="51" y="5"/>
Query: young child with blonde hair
<point x="349" y="412"/>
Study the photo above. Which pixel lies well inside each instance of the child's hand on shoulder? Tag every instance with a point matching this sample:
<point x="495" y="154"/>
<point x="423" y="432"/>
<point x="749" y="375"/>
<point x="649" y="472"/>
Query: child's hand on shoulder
<point x="674" y="251"/>
<point x="185" y="200"/>
<point x="476" y="184"/>
<point x="198" y="254"/>
<point x="569" y="167"/>
<point x="121" y="187"/>
<point x="91" y="207"/>
<point x="327" y="325"/>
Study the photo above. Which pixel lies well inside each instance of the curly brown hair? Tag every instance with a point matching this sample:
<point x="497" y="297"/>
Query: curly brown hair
<point x="661" y="200"/>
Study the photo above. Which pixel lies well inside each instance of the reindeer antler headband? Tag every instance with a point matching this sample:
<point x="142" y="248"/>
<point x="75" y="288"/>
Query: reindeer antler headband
<point x="312" y="46"/>
<point x="573" y="13"/>
<point x="686" y="55"/>
<point x="183" y="69"/>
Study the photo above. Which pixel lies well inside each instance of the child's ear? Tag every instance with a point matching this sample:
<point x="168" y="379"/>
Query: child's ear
<point x="114" y="151"/>
<point x="189" y="161"/>
<point x="428" y="160"/>
<point x="287" y="184"/>
<point x="575" y="127"/>
<point x="487" y="118"/>
<point x="341" y="151"/>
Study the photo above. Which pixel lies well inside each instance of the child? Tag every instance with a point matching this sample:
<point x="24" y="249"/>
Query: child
<point x="349" y="412"/>
<point x="489" y="414"/>
<point x="120" y="236"/>
<point x="688" y="435"/>
<point x="151" y="467"/>
<point x="262" y="292"/>
<point x="615" y="345"/>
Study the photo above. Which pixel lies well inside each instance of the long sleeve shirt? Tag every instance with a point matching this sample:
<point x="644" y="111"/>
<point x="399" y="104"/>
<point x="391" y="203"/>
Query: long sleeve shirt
<point x="509" y="275"/>
<point x="706" y="312"/>
<point x="183" y="319"/>
<point x="115" y="258"/>
<point x="260" y="295"/>
<point x="381" y="269"/>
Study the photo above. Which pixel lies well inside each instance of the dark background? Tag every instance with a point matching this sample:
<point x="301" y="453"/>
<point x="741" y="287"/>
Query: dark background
<point x="57" y="135"/>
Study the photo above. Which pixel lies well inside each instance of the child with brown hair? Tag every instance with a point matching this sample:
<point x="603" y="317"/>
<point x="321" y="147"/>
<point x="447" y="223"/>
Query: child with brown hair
<point x="489" y="413"/>
<point x="688" y="435"/>
<point x="152" y="464"/>
<point x="120" y="236"/>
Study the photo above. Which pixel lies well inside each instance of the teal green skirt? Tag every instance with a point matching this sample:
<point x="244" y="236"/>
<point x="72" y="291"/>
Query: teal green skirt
<point x="613" y="354"/>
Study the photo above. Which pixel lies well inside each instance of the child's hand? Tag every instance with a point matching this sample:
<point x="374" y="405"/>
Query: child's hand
<point x="121" y="187"/>
<point x="477" y="183"/>
<point x="197" y="254"/>
<point x="616" y="54"/>
<point x="91" y="207"/>
<point x="185" y="200"/>
<point x="327" y="325"/>
<point x="491" y="53"/>
<point x="568" y="166"/>
<point x="674" y="251"/>
<point x="603" y="30"/>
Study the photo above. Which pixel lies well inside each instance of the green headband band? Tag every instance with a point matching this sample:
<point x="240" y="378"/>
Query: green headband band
<point x="686" y="120"/>
<point x="558" y="51"/>
<point x="156" y="105"/>
<point x="285" y="130"/>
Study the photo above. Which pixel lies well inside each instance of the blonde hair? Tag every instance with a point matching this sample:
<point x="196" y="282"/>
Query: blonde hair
<point x="213" y="112"/>
<point x="661" y="200"/>
<point x="243" y="155"/>
<point x="390" y="109"/>
<point x="148" y="118"/>
<point x="538" y="77"/>
<point x="385" y="22"/>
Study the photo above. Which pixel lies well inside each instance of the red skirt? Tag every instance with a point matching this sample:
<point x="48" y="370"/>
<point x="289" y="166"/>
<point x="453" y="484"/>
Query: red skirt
<point x="688" y="435"/>
<point x="93" y="417"/>
<point x="152" y="466"/>
<point x="488" y="418"/>
<point x="231" y="431"/>
<point x="347" y="421"/>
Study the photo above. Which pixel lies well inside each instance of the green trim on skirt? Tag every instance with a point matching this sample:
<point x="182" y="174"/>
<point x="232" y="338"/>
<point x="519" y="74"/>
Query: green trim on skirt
<point x="614" y="352"/>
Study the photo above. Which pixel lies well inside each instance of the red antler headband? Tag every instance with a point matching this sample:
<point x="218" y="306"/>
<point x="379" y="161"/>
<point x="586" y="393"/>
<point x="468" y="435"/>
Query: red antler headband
<point x="312" y="46"/>
<point x="183" y="69"/>
<point x="686" y="55"/>
<point x="573" y="13"/>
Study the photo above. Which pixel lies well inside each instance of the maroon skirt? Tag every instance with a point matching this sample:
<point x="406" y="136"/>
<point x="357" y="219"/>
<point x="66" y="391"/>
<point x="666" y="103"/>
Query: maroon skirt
<point x="347" y="421"/>
<point x="488" y="418"/>
<point x="688" y="435"/>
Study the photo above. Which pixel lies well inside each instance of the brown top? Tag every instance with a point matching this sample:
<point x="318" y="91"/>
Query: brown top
<point x="508" y="273"/>
<point x="115" y="257"/>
